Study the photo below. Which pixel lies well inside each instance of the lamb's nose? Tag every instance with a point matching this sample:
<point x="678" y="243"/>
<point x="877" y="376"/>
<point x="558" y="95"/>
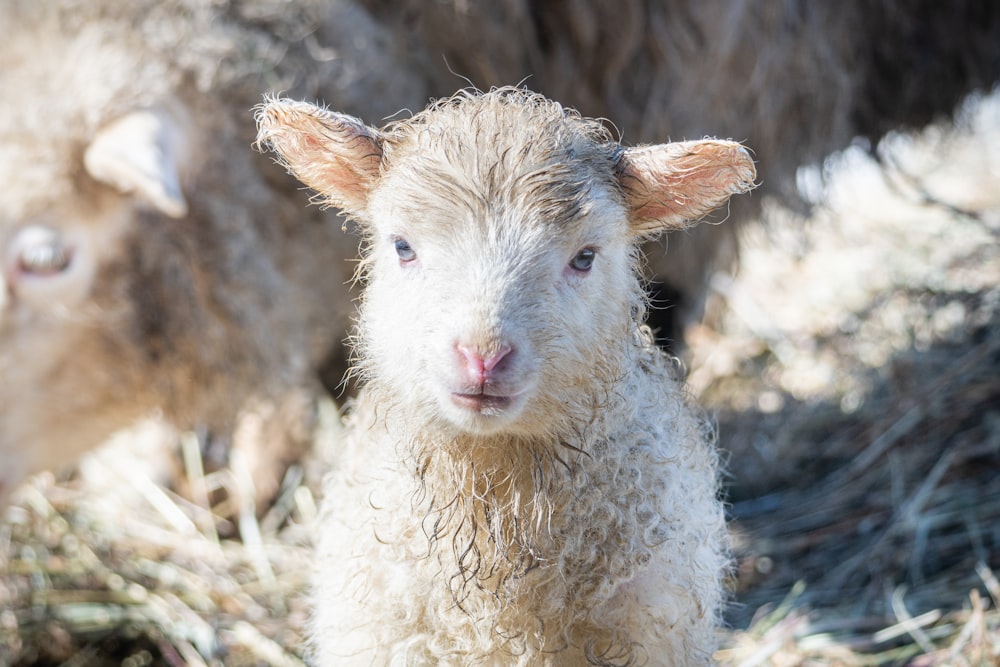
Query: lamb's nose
<point x="481" y="367"/>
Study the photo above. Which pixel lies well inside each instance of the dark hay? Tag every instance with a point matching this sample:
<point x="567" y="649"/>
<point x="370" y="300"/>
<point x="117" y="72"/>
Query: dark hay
<point x="856" y="379"/>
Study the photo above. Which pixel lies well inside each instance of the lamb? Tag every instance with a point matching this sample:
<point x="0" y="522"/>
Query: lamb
<point x="152" y="263"/>
<point x="523" y="480"/>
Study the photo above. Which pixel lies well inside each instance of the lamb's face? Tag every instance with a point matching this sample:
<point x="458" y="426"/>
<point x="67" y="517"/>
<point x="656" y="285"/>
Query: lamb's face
<point x="491" y="304"/>
<point x="499" y="286"/>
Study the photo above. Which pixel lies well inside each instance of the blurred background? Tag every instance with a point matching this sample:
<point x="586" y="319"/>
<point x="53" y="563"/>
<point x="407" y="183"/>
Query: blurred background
<point x="168" y="292"/>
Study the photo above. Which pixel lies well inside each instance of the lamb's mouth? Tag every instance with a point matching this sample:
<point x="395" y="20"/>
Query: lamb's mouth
<point x="484" y="404"/>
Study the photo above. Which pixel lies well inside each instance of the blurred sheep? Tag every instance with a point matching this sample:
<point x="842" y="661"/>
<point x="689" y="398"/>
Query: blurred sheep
<point x="152" y="262"/>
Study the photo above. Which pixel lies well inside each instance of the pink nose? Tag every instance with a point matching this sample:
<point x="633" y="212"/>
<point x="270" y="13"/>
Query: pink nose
<point x="481" y="368"/>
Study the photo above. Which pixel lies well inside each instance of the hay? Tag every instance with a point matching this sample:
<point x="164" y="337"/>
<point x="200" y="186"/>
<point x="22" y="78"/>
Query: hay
<point x="856" y="378"/>
<point x="114" y="569"/>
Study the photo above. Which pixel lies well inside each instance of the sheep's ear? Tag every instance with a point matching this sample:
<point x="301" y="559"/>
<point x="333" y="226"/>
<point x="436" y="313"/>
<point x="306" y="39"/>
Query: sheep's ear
<point x="335" y="154"/>
<point x="141" y="153"/>
<point x="669" y="186"/>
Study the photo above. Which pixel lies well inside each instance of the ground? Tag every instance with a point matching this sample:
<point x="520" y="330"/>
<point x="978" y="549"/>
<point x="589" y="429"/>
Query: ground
<point x="852" y="364"/>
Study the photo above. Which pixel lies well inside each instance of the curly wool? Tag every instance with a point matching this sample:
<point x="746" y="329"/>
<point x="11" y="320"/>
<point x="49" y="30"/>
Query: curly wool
<point x="523" y="552"/>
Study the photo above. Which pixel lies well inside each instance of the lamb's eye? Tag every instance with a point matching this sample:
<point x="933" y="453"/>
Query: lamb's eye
<point x="583" y="260"/>
<point x="405" y="251"/>
<point x="42" y="253"/>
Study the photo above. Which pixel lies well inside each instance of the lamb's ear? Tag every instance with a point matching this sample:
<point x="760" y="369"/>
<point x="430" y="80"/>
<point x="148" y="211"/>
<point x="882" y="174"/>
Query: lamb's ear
<point x="335" y="154"/>
<point x="142" y="153"/>
<point x="668" y="186"/>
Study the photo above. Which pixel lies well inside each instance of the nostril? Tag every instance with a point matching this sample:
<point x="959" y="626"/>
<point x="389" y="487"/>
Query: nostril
<point x="480" y="365"/>
<point x="492" y="361"/>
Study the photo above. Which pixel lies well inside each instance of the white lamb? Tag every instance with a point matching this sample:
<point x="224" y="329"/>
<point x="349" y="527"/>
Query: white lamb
<point x="524" y="480"/>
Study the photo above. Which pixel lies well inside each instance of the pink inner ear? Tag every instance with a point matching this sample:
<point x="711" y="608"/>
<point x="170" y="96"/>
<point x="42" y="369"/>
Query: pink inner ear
<point x="335" y="154"/>
<point x="668" y="186"/>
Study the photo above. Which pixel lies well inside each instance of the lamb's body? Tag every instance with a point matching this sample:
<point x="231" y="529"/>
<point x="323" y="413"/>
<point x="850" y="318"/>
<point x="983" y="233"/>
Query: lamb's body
<point x="524" y="481"/>
<point x="543" y="555"/>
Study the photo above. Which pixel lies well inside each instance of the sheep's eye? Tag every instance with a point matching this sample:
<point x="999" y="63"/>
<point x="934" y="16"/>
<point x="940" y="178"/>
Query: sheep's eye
<point x="42" y="254"/>
<point x="405" y="251"/>
<point x="583" y="260"/>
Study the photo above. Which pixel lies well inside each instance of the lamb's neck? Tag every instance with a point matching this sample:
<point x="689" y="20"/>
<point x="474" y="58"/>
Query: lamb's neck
<point x="497" y="468"/>
<point x="488" y="515"/>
